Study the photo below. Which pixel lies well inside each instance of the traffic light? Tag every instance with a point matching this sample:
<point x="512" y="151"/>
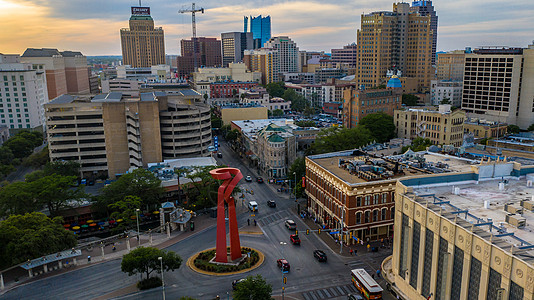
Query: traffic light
<point x="319" y="231"/>
<point x="307" y="231"/>
<point x="296" y="232"/>
<point x="285" y="280"/>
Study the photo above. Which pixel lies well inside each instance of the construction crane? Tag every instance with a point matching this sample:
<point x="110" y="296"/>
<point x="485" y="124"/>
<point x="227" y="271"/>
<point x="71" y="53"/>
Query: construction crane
<point x="193" y="11"/>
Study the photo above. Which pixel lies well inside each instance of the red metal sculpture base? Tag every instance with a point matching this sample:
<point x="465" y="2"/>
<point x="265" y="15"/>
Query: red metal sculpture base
<point x="231" y="177"/>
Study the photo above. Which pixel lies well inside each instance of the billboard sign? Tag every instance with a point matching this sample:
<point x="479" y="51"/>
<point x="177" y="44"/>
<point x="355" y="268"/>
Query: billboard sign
<point x="140" y="11"/>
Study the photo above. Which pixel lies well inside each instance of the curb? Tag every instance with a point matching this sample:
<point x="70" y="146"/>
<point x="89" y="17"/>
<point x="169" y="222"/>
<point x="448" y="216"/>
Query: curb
<point x="191" y="265"/>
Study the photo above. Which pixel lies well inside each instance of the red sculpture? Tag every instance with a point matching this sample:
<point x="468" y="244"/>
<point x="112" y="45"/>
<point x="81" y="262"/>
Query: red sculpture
<point x="231" y="177"/>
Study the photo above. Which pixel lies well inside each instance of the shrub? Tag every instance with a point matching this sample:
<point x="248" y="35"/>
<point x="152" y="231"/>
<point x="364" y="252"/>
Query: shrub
<point x="149" y="283"/>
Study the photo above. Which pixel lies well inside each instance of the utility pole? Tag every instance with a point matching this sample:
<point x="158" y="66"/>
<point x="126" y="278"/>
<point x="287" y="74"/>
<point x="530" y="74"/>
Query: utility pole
<point x="193" y="12"/>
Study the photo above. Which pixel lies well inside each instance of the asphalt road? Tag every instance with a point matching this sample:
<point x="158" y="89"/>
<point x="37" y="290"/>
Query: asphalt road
<point x="308" y="278"/>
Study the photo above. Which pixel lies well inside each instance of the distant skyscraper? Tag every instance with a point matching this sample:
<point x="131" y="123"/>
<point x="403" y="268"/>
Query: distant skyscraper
<point x="260" y="28"/>
<point x="425" y="8"/>
<point x="234" y="44"/>
<point x="288" y="53"/>
<point x="397" y="40"/>
<point x="347" y="55"/>
<point x="142" y="44"/>
<point x="199" y="52"/>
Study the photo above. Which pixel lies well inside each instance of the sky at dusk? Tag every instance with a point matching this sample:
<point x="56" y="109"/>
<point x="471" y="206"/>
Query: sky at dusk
<point x="92" y="27"/>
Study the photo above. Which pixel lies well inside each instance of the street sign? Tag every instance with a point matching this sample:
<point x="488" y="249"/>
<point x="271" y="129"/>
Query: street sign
<point x="334" y="232"/>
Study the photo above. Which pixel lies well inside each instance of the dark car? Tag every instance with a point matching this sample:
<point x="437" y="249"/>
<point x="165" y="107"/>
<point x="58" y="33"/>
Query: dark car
<point x="91" y="182"/>
<point x="294" y="239"/>
<point x="219" y="155"/>
<point x="259" y="180"/>
<point x="236" y="282"/>
<point x="319" y="255"/>
<point x="354" y="297"/>
<point x="283" y="264"/>
<point x="271" y="203"/>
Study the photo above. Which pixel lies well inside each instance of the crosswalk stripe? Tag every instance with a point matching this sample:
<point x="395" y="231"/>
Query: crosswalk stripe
<point x="333" y="291"/>
<point x="306" y="296"/>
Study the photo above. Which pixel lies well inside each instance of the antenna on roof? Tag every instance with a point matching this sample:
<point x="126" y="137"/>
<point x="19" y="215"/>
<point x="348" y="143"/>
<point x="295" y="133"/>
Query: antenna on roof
<point x="139" y="2"/>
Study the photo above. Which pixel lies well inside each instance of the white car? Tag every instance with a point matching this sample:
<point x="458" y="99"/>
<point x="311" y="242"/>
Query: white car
<point x="248" y="178"/>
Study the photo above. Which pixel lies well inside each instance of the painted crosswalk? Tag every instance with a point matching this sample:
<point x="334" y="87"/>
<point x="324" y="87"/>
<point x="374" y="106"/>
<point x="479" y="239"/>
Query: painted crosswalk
<point x="273" y="218"/>
<point x="329" y="293"/>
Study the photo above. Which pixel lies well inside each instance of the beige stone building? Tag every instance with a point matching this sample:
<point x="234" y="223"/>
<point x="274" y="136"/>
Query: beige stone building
<point x="442" y="127"/>
<point x="108" y="134"/>
<point x="398" y="40"/>
<point x="265" y="61"/>
<point x="142" y="44"/>
<point x="464" y="236"/>
<point x="450" y="65"/>
<point x="66" y="71"/>
<point x="239" y="112"/>
<point x="277" y="150"/>
<point x="485" y="129"/>
<point x="235" y="72"/>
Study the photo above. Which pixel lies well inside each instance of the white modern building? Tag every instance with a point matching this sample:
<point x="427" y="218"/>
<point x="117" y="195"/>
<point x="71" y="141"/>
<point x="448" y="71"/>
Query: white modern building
<point x="288" y="53"/>
<point x="129" y="87"/>
<point x="159" y="72"/>
<point x="23" y="94"/>
<point x="446" y="89"/>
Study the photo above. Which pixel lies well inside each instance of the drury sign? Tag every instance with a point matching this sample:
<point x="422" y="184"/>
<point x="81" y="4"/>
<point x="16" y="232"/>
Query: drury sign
<point x="141" y="11"/>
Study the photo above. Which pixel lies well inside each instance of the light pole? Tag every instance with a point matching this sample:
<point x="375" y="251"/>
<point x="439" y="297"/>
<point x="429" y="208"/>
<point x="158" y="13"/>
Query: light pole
<point x="295" y="174"/>
<point x="162" y="281"/>
<point x="137" y="217"/>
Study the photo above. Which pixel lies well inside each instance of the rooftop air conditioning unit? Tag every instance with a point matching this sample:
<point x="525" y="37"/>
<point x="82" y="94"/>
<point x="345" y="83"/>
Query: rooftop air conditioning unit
<point x="527" y="205"/>
<point x="513" y="209"/>
<point x="516" y="220"/>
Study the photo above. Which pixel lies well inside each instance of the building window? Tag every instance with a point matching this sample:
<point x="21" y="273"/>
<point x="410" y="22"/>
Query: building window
<point x="367" y="200"/>
<point x="443" y="260"/>
<point x="376" y="199"/>
<point x="375" y="215"/>
<point x="516" y="291"/>
<point x="367" y="216"/>
<point x="414" y="268"/>
<point x="457" y="267"/>
<point x="384" y="197"/>
<point x="427" y="263"/>
<point x="383" y="214"/>
<point x="494" y="284"/>
<point x="358" y="218"/>
<point x="403" y="247"/>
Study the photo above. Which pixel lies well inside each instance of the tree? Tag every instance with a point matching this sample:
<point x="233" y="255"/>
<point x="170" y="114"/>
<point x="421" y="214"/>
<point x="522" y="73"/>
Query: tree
<point x="305" y="123"/>
<point x="278" y="113"/>
<point x="531" y="127"/>
<point x="232" y="135"/>
<point x="308" y="111"/>
<point x="205" y="97"/>
<point x="409" y="100"/>
<point x="55" y="192"/>
<point x="19" y="146"/>
<point x="141" y="183"/>
<point x="144" y="260"/>
<point x="445" y="101"/>
<point x="253" y="288"/>
<point x="276" y="89"/>
<point x="513" y="129"/>
<point x="65" y="168"/>
<point x="202" y="191"/>
<point x="418" y="144"/>
<point x="299" y="168"/>
<point x="31" y="236"/>
<point x="17" y="199"/>
<point x="380" y="125"/>
<point x="124" y="209"/>
<point x="36" y="160"/>
<point x="338" y="139"/>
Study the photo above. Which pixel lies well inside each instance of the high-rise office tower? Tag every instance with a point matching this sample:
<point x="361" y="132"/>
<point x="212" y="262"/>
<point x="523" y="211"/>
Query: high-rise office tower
<point x="23" y="93"/>
<point x="260" y="28"/>
<point x="288" y="53"/>
<point x="395" y="41"/>
<point x="265" y="61"/>
<point x="66" y="72"/>
<point x="233" y="46"/>
<point x="499" y="85"/>
<point x="347" y="55"/>
<point x="199" y="52"/>
<point x="425" y="8"/>
<point x="142" y="44"/>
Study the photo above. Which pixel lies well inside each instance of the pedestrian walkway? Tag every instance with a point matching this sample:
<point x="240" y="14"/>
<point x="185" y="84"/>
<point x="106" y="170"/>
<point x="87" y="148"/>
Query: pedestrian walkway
<point x="97" y="254"/>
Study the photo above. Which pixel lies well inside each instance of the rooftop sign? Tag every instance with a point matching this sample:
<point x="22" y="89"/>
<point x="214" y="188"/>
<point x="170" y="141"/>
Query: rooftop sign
<point x="140" y="11"/>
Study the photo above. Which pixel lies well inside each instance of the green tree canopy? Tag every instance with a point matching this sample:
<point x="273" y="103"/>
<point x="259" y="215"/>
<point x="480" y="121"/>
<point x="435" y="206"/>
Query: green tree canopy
<point x="298" y="102"/>
<point x="305" y="123"/>
<point x="253" y="287"/>
<point x="141" y="183"/>
<point x="17" y="199"/>
<point x="31" y="236"/>
<point x="531" y="127"/>
<point x="278" y="113"/>
<point x="299" y="168"/>
<point x="276" y="89"/>
<point x="513" y="129"/>
<point x="65" y="168"/>
<point x="338" y="139"/>
<point x="445" y="101"/>
<point x="380" y="125"/>
<point x="145" y="260"/>
<point x="418" y="144"/>
<point x="232" y="135"/>
<point x="19" y="146"/>
<point x="124" y="209"/>
<point x="409" y="100"/>
<point x="36" y="160"/>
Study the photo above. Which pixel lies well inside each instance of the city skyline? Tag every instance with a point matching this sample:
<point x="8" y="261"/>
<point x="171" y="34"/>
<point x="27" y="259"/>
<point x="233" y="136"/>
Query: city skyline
<point x="311" y="24"/>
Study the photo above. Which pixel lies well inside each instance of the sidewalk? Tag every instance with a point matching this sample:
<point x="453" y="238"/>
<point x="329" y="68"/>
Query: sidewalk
<point x="159" y="240"/>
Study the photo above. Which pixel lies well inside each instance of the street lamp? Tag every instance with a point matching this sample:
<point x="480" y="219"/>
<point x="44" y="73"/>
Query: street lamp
<point x="137" y="217"/>
<point x="162" y="281"/>
<point x="294" y="173"/>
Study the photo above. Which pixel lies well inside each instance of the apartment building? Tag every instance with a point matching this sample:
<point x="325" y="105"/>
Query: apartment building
<point x="446" y="89"/>
<point x="265" y="61"/>
<point x="442" y="127"/>
<point x="450" y="65"/>
<point x="358" y="103"/>
<point x="142" y="44"/>
<point x="66" y="71"/>
<point x="287" y="51"/>
<point x="398" y="40"/>
<point x="499" y="85"/>
<point x="425" y="8"/>
<point x="22" y="95"/>
<point x="108" y="135"/>
<point x="464" y="236"/>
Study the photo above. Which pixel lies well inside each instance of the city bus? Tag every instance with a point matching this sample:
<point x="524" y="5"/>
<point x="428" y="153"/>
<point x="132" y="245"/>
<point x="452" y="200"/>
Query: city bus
<point x="367" y="286"/>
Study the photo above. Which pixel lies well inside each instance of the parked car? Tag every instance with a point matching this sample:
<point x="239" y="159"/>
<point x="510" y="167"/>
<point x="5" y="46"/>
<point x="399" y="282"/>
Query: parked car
<point x="320" y="255"/>
<point x="236" y="282"/>
<point x="248" y="179"/>
<point x="294" y="239"/>
<point x="91" y="182"/>
<point x="83" y="182"/>
<point x="259" y="180"/>
<point x="271" y="203"/>
<point x="291" y="225"/>
<point x="253" y="206"/>
<point x="283" y="264"/>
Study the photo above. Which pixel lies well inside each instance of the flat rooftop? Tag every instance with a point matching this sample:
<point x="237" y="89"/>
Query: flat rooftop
<point x="354" y="166"/>
<point x="471" y="197"/>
